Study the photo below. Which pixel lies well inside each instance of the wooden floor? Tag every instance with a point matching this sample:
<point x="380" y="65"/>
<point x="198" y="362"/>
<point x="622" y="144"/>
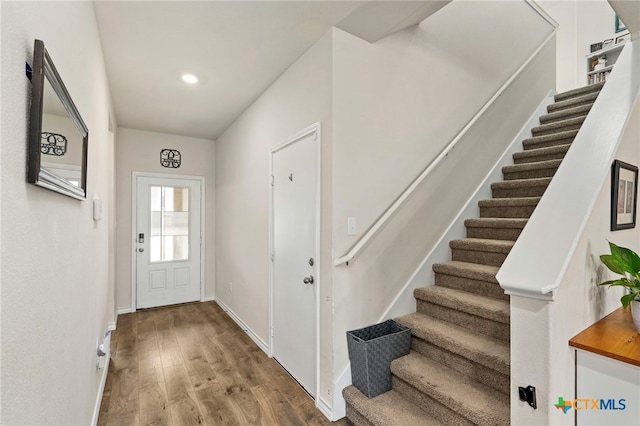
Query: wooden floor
<point x="192" y="365"/>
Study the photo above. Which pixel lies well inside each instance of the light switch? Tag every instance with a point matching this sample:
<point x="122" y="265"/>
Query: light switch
<point x="351" y="226"/>
<point x="97" y="210"/>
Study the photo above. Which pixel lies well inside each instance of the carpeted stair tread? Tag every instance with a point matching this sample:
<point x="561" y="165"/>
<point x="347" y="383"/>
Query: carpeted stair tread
<point x="553" y="139"/>
<point x="510" y="202"/>
<point x="467" y="270"/>
<point x="484" y="350"/>
<point x="566" y="113"/>
<point x="531" y="170"/>
<point x="580" y="91"/>
<point x="496" y="222"/>
<point x="387" y="409"/>
<point x="481" y="244"/>
<point x="519" y="183"/>
<point x="463" y="301"/>
<point x="558" y="126"/>
<point x="475" y="402"/>
<point x="573" y="102"/>
<point x="541" y="154"/>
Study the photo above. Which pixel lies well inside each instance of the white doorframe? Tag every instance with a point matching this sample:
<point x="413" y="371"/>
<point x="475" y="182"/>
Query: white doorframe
<point x="133" y="236"/>
<point x="314" y="128"/>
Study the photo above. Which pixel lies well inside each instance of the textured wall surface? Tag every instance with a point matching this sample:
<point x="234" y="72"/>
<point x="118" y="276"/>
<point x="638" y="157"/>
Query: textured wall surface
<point x="57" y="300"/>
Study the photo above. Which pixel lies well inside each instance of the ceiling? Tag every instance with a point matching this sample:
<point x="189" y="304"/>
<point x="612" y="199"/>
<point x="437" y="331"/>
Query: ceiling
<point x="236" y="48"/>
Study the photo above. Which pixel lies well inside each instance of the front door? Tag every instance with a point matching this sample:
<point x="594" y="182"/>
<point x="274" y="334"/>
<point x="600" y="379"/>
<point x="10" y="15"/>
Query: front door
<point x="167" y="241"/>
<point x="295" y="259"/>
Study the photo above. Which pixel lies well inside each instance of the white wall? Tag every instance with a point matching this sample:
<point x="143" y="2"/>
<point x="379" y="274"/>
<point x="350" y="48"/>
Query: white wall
<point x="581" y="23"/>
<point x="397" y="104"/>
<point x="56" y="298"/>
<point x="139" y="151"/>
<point x="299" y="98"/>
<point x="579" y="302"/>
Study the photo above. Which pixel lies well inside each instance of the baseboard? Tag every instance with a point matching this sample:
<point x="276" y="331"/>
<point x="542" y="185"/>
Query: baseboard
<point x="256" y="339"/>
<point x="324" y="408"/>
<point x="341" y="382"/>
<point x="112" y="325"/>
<point x="127" y="310"/>
<point x="103" y="381"/>
<point x="208" y="299"/>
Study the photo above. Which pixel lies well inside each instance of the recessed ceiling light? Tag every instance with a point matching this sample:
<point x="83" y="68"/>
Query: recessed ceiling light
<point x="189" y="78"/>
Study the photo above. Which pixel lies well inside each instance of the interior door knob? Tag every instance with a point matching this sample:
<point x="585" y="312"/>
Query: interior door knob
<point x="140" y="250"/>
<point x="308" y="280"/>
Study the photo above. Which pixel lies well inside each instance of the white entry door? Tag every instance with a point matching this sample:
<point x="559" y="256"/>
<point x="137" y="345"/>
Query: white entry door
<point x="167" y="241"/>
<point x="295" y="257"/>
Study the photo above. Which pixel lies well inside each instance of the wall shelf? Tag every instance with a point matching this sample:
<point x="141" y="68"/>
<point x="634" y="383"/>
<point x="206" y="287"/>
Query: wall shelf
<point x="611" y="53"/>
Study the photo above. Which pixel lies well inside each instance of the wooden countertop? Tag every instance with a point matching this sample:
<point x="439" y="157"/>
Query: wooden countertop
<point x="614" y="336"/>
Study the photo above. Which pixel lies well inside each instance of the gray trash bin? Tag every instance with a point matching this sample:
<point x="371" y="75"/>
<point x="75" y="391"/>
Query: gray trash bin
<point x="371" y="350"/>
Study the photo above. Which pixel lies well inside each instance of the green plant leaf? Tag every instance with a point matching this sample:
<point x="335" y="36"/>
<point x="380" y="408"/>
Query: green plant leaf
<point x="626" y="259"/>
<point x="612" y="263"/>
<point x="627" y="299"/>
<point x="623" y="282"/>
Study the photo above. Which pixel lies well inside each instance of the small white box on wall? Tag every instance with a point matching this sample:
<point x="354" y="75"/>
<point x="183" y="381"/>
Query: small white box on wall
<point x="97" y="210"/>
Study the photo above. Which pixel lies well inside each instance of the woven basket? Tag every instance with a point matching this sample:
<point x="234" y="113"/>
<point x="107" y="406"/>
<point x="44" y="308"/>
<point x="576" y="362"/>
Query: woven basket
<point x="371" y="350"/>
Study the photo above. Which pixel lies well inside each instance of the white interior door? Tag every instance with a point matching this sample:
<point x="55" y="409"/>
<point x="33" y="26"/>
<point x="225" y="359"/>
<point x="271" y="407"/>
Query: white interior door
<point x="168" y="239"/>
<point x="295" y="258"/>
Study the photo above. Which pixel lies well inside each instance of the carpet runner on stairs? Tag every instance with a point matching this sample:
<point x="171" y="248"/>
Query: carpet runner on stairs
<point x="458" y="370"/>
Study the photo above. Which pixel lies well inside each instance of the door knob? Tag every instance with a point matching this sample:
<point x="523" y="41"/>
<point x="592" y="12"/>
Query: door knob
<point x="140" y="250"/>
<point x="308" y="280"/>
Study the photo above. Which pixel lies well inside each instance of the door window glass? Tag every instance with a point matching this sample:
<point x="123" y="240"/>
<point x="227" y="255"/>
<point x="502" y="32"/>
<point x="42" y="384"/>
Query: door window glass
<point x="169" y="224"/>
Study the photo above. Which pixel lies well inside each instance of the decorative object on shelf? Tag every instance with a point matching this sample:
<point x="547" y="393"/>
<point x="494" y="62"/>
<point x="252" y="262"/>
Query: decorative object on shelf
<point x="606" y="43"/>
<point x="600" y="63"/>
<point x="54" y="144"/>
<point x="626" y="263"/>
<point x="623" y="38"/>
<point x="170" y="158"/>
<point x="619" y="25"/>
<point x="595" y="47"/>
<point x="624" y="194"/>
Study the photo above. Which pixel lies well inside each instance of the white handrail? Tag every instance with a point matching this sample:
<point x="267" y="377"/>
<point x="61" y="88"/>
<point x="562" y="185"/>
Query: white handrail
<point x="382" y="220"/>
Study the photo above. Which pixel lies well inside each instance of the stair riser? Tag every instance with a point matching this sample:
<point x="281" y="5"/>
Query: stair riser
<point x="543" y="131"/>
<point x="355" y="417"/>
<point x="483" y="288"/>
<point x="480" y="325"/>
<point x="509" y="234"/>
<point x="479" y="257"/>
<point x="527" y="191"/>
<point x="516" y="212"/>
<point x="428" y="404"/>
<point x="528" y="144"/>
<point x="462" y="365"/>
<point x="548" y="119"/>
<point x="530" y="174"/>
<point x="538" y="158"/>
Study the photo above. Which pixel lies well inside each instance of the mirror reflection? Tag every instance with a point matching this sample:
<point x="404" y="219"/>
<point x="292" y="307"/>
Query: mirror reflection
<point x="60" y="141"/>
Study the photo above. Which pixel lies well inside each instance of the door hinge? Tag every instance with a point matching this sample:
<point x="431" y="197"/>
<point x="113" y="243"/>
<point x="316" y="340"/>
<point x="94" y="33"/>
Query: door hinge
<point x="272" y="256"/>
<point x="272" y="332"/>
<point x="272" y="180"/>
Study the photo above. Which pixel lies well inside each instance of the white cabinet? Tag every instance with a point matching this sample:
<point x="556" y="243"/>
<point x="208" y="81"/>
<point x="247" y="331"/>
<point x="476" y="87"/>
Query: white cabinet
<point x="607" y="372"/>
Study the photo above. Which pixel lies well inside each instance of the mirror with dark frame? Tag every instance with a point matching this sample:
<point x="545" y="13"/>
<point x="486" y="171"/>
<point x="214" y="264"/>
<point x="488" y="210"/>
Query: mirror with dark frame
<point x="58" y="137"/>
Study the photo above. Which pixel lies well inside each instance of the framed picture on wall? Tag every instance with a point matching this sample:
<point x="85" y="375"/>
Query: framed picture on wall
<point x="624" y="195"/>
<point x="619" y="25"/>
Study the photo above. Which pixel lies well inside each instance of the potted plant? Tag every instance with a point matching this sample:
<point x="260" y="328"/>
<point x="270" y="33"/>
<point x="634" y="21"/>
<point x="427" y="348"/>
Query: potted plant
<point x="626" y="263"/>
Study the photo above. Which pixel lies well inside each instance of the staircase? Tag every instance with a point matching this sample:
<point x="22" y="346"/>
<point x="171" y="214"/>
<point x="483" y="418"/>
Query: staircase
<point x="458" y="370"/>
